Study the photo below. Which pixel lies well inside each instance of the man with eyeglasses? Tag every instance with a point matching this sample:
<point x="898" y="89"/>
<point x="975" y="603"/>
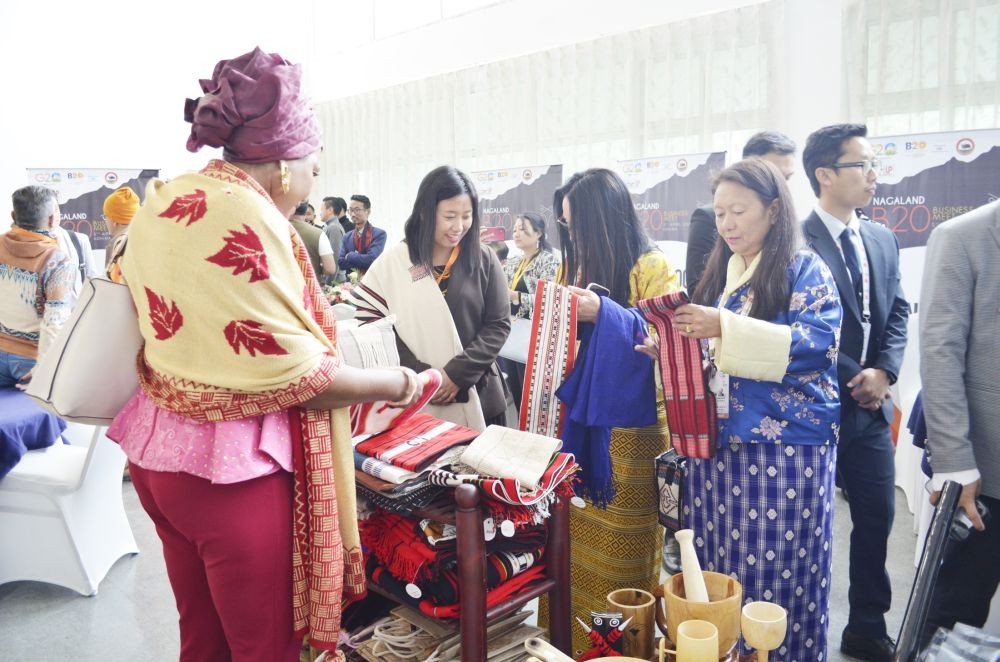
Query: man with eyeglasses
<point x="365" y="242"/>
<point x="864" y="259"/>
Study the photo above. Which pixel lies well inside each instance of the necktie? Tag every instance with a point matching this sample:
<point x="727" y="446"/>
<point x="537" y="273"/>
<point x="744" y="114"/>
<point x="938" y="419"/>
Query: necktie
<point x="851" y="259"/>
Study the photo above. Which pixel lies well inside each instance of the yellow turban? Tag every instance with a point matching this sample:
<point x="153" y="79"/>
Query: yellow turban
<point x="121" y="205"/>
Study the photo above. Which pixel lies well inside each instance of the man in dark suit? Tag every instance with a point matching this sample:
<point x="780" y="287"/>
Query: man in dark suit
<point x="864" y="259"/>
<point x="365" y="242"/>
<point x="340" y="211"/>
<point x="771" y="146"/>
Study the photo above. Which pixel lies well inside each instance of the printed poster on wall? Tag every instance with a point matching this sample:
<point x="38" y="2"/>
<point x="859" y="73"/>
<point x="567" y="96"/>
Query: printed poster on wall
<point x="81" y="193"/>
<point x="505" y="193"/>
<point x="925" y="179"/>
<point x="666" y="190"/>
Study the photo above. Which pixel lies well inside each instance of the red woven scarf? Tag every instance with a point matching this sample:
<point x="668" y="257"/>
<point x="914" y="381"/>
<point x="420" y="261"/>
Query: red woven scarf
<point x="363" y="240"/>
<point x="690" y="406"/>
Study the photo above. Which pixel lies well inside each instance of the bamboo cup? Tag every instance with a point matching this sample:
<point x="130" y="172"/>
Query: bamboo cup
<point x="639" y="606"/>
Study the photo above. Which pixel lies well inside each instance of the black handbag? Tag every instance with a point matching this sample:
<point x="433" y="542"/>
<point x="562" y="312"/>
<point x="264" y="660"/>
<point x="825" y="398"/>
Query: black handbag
<point x="670" y="471"/>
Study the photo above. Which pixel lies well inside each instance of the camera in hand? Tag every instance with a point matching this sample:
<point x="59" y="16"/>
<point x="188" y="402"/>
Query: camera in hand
<point x="961" y="525"/>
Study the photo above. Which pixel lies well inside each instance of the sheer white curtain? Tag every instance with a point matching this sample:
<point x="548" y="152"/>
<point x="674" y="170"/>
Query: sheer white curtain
<point x="915" y="66"/>
<point x="701" y="84"/>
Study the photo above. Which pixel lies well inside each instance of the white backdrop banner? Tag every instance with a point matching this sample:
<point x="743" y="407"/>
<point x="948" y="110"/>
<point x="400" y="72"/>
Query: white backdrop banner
<point x="507" y="192"/>
<point x="665" y="191"/>
<point x="81" y="193"/>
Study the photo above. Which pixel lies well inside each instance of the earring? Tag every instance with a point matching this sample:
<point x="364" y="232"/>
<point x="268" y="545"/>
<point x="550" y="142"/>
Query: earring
<point x="286" y="177"/>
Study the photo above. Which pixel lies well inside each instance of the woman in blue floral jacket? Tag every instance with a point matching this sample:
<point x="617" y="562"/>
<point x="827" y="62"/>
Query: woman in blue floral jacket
<point x="770" y="317"/>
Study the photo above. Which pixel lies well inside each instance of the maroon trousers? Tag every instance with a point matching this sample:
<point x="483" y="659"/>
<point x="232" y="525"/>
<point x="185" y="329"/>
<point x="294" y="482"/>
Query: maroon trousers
<point x="228" y="550"/>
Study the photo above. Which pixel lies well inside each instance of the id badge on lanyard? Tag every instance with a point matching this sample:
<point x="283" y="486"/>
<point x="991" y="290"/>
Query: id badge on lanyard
<point x="718" y="381"/>
<point x="866" y="332"/>
<point x="718" y="384"/>
<point x="866" y="307"/>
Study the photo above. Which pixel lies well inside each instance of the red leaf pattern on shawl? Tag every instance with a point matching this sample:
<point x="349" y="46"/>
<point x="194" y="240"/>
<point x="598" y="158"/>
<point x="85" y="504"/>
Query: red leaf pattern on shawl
<point x="252" y="336"/>
<point x="244" y="252"/>
<point x="166" y="320"/>
<point x="192" y="205"/>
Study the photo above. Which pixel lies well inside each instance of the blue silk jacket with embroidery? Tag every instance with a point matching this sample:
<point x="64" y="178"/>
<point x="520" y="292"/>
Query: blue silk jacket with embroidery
<point x="804" y="408"/>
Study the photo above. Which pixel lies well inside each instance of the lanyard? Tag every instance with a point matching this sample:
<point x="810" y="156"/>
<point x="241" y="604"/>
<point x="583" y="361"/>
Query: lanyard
<point x="718" y="381"/>
<point x="524" y="264"/>
<point x="446" y="273"/>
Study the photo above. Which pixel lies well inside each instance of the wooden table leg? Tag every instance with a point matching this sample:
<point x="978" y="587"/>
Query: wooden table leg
<point x="560" y="631"/>
<point x="471" y="573"/>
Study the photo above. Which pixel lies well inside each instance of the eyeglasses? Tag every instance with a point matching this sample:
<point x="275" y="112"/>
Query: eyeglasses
<point x="866" y="166"/>
<point x="355" y="210"/>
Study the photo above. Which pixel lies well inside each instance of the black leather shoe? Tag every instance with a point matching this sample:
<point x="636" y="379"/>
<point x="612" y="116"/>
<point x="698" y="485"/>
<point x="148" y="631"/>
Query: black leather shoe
<point x="872" y="649"/>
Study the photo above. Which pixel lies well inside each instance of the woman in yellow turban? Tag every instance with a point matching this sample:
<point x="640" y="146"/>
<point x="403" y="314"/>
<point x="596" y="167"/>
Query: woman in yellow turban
<point x="119" y="209"/>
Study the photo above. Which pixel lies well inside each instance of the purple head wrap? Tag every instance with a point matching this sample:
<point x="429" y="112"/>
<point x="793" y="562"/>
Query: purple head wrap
<point x="254" y="109"/>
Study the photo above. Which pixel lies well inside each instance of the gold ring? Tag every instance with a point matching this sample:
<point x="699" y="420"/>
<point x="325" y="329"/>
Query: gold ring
<point x="688" y="329"/>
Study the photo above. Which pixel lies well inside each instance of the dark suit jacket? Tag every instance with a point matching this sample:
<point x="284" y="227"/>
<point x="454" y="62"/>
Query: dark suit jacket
<point x="480" y="308"/>
<point x="351" y="259"/>
<point x="701" y="241"/>
<point x="889" y="308"/>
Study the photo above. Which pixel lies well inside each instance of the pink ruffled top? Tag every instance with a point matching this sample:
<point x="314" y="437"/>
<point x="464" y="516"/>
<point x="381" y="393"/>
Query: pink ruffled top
<point x="224" y="452"/>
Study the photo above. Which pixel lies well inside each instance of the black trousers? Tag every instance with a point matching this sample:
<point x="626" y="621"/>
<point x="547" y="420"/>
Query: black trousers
<point x="968" y="578"/>
<point x="515" y="379"/>
<point x="867" y="469"/>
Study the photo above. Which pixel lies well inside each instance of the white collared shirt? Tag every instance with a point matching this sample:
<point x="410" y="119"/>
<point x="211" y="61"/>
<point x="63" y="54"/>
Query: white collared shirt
<point x="835" y="227"/>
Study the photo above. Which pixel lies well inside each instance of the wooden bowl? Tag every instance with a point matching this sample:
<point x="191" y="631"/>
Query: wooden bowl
<point x="725" y="596"/>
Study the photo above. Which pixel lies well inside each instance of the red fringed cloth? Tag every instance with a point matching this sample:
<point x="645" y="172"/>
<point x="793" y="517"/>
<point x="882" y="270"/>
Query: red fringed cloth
<point x="551" y="354"/>
<point x="690" y="405"/>
<point x="417" y="442"/>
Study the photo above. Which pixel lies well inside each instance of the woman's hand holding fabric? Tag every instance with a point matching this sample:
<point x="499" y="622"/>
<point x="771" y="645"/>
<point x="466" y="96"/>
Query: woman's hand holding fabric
<point x="588" y="304"/>
<point x="446" y="394"/>
<point x="696" y="321"/>
<point x="650" y="347"/>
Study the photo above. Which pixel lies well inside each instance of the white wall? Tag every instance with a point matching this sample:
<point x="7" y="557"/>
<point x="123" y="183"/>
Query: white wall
<point x="103" y="84"/>
<point x="387" y="42"/>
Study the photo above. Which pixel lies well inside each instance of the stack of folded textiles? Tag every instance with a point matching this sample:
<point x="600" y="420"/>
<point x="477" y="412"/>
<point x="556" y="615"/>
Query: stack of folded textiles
<point x="392" y="467"/>
<point x="416" y="561"/>
<point x="414" y="558"/>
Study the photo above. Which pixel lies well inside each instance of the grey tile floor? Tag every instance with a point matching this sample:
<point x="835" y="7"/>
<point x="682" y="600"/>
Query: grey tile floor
<point x="133" y="616"/>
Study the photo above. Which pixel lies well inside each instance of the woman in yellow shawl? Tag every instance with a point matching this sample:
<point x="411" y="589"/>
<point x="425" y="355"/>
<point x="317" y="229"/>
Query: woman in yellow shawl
<point x="603" y="242"/>
<point x="238" y="445"/>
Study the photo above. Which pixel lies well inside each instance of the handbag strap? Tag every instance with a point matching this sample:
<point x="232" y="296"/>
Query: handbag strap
<point x="82" y="262"/>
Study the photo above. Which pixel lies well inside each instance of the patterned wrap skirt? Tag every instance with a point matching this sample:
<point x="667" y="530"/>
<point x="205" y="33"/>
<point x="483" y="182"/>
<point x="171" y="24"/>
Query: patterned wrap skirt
<point x="622" y="546"/>
<point x="763" y="514"/>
